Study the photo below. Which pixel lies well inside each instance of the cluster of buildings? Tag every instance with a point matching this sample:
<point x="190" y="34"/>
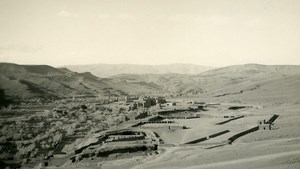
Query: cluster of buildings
<point x="141" y="104"/>
<point x="144" y="102"/>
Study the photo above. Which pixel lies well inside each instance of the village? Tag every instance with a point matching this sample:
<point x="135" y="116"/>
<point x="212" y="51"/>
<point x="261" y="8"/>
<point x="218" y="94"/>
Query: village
<point x="120" y="127"/>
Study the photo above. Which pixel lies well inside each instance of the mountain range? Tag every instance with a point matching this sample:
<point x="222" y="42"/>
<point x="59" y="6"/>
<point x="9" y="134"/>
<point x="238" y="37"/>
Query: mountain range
<point x="106" y="70"/>
<point x="239" y="81"/>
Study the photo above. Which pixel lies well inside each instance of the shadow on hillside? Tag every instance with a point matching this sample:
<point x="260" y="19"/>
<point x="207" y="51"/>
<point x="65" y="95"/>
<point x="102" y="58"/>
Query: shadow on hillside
<point x="4" y="100"/>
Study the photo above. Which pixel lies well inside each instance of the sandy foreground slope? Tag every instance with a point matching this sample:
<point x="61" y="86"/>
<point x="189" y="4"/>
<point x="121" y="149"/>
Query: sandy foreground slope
<point x="276" y="149"/>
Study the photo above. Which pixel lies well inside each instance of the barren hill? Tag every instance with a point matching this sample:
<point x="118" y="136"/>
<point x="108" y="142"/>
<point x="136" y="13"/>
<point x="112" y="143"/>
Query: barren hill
<point x="106" y="70"/>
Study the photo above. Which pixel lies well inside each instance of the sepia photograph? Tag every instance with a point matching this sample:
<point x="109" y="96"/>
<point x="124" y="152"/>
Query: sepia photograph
<point x="149" y="84"/>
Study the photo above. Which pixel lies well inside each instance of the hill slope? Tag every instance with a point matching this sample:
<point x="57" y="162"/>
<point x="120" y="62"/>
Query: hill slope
<point x="106" y="70"/>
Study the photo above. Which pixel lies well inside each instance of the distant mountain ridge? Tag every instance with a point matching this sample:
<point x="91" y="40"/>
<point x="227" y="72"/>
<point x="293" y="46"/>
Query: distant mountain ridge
<point x="107" y="70"/>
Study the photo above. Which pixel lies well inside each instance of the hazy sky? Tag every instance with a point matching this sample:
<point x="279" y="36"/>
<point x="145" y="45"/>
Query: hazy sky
<point x="204" y="32"/>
